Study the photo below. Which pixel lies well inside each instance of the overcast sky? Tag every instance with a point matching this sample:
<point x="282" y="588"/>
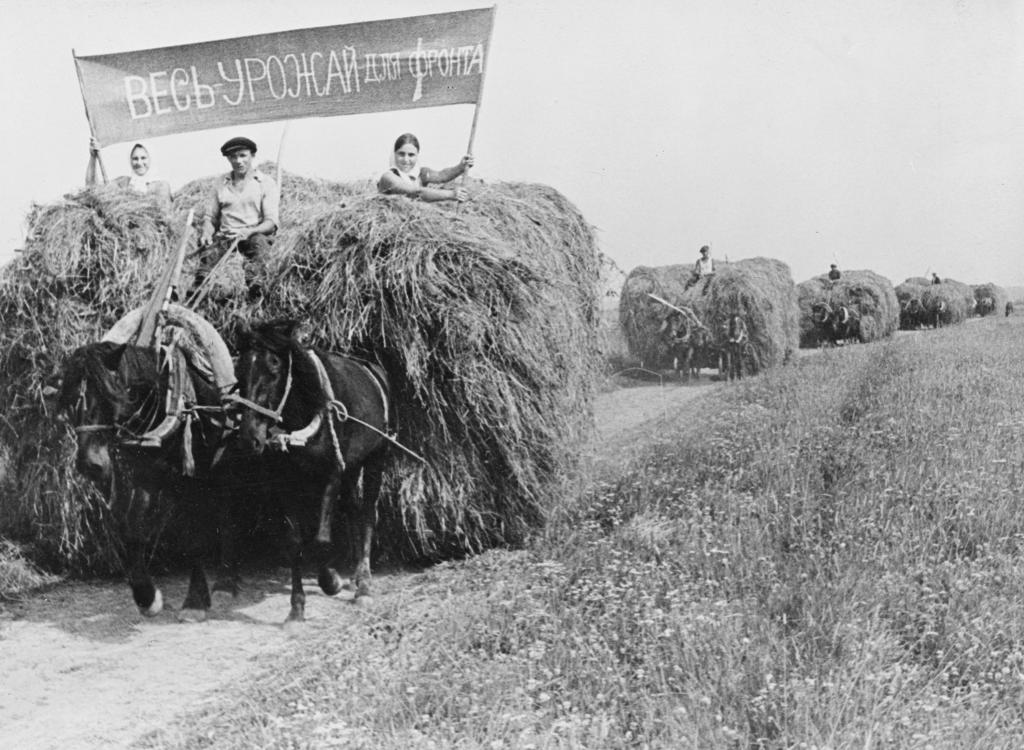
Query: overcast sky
<point x="881" y="134"/>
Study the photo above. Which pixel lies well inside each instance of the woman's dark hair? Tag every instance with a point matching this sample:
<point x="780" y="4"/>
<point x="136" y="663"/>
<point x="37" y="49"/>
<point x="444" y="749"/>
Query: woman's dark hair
<point x="405" y="138"/>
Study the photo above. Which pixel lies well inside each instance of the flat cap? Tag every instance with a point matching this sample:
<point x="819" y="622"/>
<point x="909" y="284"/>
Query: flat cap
<point x="236" y="144"/>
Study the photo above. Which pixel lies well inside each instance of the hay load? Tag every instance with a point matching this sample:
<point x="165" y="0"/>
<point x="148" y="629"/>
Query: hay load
<point x="947" y="303"/>
<point x="760" y="289"/>
<point x="487" y="315"/>
<point x="912" y="313"/>
<point x="486" y="319"/>
<point x="870" y="294"/>
<point x="88" y="259"/>
<point x="990" y="299"/>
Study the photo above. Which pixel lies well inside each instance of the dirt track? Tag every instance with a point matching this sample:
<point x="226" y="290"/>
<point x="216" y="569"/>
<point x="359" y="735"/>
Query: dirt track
<point x="81" y="669"/>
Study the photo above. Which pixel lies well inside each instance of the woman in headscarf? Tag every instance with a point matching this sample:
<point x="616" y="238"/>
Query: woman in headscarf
<point x="140" y="180"/>
<point x="404" y="179"/>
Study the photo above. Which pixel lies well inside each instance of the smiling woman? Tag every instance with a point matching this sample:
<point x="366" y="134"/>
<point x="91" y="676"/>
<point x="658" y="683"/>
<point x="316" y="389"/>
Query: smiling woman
<point x="402" y="178"/>
<point x="140" y="180"/>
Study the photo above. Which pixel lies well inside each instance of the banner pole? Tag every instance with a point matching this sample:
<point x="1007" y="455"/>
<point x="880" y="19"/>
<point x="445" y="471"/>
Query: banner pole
<point x="480" y="98"/>
<point x="92" y="132"/>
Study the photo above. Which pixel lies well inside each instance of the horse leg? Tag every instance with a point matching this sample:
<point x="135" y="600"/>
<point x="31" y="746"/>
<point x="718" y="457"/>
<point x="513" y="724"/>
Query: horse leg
<point x="328" y="579"/>
<point x="228" y="578"/>
<point x="373" y="473"/>
<point x="146" y="595"/>
<point x="293" y="540"/>
<point x="197" y="599"/>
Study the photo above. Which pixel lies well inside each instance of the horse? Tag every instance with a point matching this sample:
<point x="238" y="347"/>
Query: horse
<point x="937" y="310"/>
<point x="912" y="315"/>
<point x="331" y="415"/>
<point x="839" y="324"/>
<point x="736" y="349"/>
<point x="146" y="424"/>
<point x="985" y="306"/>
<point x="688" y="342"/>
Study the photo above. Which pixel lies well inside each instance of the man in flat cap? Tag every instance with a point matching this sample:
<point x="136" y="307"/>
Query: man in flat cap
<point x="242" y="209"/>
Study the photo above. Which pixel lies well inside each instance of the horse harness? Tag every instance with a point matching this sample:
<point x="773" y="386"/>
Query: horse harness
<point x="334" y="409"/>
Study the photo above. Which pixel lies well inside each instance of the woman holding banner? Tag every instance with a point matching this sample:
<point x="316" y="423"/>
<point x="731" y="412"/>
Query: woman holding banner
<point x="140" y="181"/>
<point x="402" y="179"/>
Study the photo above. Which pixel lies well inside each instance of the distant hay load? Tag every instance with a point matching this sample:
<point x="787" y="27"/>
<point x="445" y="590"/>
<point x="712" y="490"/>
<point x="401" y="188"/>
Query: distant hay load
<point x="908" y="296"/>
<point x="485" y="316"/>
<point x="918" y="281"/>
<point x="947" y="303"/>
<point x="759" y="289"/>
<point x="965" y="291"/>
<point x="990" y="299"/>
<point x="871" y="295"/>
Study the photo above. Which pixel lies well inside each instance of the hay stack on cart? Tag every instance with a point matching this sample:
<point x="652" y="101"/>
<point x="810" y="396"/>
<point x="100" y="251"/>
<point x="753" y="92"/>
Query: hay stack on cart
<point x="486" y="315"/>
<point x="990" y="299"/>
<point x="759" y="289"/>
<point x="871" y="295"/>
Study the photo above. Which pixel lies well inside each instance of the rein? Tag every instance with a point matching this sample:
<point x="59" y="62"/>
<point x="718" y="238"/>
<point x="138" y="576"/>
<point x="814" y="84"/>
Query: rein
<point x="333" y="408"/>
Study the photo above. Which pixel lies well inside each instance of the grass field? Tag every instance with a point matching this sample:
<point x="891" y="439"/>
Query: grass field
<point x="827" y="556"/>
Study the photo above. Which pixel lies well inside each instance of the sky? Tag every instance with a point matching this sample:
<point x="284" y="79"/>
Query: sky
<point x="878" y="134"/>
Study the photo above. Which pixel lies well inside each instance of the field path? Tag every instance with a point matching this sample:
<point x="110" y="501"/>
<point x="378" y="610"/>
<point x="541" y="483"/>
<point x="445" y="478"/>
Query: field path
<point x="79" y="668"/>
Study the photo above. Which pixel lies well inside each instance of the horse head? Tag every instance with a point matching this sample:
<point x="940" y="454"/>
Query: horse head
<point x="90" y="398"/>
<point x="821" y="312"/>
<point x="267" y="359"/>
<point x="737" y="329"/>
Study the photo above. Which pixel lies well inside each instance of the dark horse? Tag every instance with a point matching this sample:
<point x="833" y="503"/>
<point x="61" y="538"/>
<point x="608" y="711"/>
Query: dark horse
<point x="839" y="324"/>
<point x="689" y="343"/>
<point x="113" y="394"/>
<point x="737" y="350"/>
<point x="328" y="414"/>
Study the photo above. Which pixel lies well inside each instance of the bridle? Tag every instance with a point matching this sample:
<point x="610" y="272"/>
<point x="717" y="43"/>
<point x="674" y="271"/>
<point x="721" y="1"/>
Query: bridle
<point x="274" y="415"/>
<point x="79" y="414"/>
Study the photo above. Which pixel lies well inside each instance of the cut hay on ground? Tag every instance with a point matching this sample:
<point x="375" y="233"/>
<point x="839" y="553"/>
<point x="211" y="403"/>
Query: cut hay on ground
<point x="760" y="289"/>
<point x="867" y="292"/>
<point x="486" y="318"/>
<point x="991" y="299"/>
<point x="486" y="315"/>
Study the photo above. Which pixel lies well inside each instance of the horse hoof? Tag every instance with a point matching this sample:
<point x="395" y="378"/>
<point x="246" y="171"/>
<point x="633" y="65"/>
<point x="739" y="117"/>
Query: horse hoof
<point x="192" y="615"/>
<point x="156" y="607"/>
<point x="330" y="582"/>
<point x="223" y="597"/>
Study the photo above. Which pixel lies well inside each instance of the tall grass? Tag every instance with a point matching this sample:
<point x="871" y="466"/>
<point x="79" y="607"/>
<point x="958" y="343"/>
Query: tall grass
<point x="824" y="556"/>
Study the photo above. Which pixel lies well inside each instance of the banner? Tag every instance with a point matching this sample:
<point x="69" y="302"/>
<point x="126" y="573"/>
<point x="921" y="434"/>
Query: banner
<point x="376" y="66"/>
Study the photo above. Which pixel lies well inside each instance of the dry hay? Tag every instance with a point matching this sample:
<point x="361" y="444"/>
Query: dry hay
<point x="917" y="281"/>
<point x="88" y="259"/>
<point x="959" y="299"/>
<point x="989" y="291"/>
<point x="867" y="292"/>
<point x="485" y="316"/>
<point x="486" y="313"/>
<point x="760" y="289"/>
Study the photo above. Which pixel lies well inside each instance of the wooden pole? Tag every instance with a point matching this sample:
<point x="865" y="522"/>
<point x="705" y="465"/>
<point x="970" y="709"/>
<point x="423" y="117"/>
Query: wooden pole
<point x="480" y="96"/>
<point x="92" y="132"/>
<point x="163" y="292"/>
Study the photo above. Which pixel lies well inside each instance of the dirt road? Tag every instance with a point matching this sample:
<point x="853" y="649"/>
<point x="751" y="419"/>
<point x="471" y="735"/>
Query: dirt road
<point x="79" y="668"/>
